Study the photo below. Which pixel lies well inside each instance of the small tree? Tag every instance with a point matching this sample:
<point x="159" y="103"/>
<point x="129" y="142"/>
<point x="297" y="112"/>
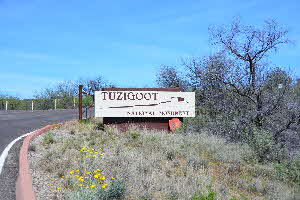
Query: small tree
<point x="248" y="47"/>
<point x="237" y="84"/>
<point x="92" y="85"/>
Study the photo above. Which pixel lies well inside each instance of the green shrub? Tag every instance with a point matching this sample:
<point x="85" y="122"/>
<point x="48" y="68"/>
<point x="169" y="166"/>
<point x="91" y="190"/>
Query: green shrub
<point x="115" y="191"/>
<point x="48" y="139"/>
<point x="100" y="126"/>
<point x="85" y="121"/>
<point x="135" y="135"/>
<point x="197" y="123"/>
<point x="289" y="170"/>
<point x="210" y="196"/>
<point x="234" y="198"/>
<point x="262" y="142"/>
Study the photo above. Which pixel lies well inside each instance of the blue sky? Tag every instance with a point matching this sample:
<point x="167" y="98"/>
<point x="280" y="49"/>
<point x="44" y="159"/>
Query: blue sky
<point x="43" y="42"/>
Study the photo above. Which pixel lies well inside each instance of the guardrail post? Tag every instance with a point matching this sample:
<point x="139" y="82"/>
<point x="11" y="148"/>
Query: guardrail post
<point x="54" y="104"/>
<point x="80" y="101"/>
<point x="74" y="102"/>
<point x="31" y="105"/>
<point x="6" y="105"/>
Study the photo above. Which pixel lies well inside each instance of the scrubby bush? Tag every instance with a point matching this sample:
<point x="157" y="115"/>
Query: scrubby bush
<point x="115" y="191"/>
<point x="289" y="170"/>
<point x="48" y="139"/>
<point x="262" y="142"/>
<point x="210" y="196"/>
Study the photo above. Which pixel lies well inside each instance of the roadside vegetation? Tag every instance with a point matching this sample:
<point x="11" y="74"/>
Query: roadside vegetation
<point x="65" y="94"/>
<point x="83" y="161"/>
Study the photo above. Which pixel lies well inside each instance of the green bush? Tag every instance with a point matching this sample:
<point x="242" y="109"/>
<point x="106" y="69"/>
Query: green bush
<point x="48" y="139"/>
<point x="86" y="101"/>
<point x="115" y="191"/>
<point x="262" y="142"/>
<point x="85" y="121"/>
<point x="100" y="126"/>
<point x="234" y="198"/>
<point x="198" y="122"/>
<point x="135" y="135"/>
<point x="210" y="196"/>
<point x="289" y="170"/>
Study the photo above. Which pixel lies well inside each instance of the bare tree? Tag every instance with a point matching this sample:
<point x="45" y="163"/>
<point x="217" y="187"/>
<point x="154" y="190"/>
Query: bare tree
<point x="249" y="47"/>
<point x="238" y="85"/>
<point x="94" y="84"/>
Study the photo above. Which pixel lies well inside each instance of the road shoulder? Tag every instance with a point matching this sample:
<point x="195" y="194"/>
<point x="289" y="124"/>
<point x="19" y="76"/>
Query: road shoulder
<point x="9" y="173"/>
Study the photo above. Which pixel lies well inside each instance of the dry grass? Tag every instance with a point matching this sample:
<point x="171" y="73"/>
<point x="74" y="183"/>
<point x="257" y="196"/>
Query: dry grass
<point x="153" y="165"/>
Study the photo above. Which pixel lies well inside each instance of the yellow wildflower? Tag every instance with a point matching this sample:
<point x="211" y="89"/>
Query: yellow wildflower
<point x="58" y="188"/>
<point x="81" y="179"/>
<point x="63" y="176"/>
<point x="80" y="185"/>
<point x="72" y="172"/>
<point x="104" y="186"/>
<point x="112" y="178"/>
<point x="93" y="186"/>
<point x="96" y="176"/>
<point x="87" y="172"/>
<point x="77" y="170"/>
<point x="103" y="178"/>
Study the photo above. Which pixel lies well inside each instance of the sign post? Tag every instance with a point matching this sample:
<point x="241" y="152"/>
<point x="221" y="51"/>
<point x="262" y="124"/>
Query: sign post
<point x="80" y="102"/>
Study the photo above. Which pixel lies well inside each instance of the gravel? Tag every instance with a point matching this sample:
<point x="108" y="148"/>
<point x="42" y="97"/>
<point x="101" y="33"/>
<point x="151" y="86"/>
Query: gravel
<point x="43" y="185"/>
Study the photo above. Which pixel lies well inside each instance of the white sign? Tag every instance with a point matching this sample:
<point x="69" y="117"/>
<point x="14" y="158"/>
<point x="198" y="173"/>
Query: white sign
<point x="144" y="104"/>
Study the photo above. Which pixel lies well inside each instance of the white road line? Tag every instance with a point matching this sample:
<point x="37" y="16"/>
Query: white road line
<point x="5" y="152"/>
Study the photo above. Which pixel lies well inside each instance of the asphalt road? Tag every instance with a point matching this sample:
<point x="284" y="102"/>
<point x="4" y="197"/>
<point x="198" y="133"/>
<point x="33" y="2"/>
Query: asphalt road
<point x="14" y="124"/>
